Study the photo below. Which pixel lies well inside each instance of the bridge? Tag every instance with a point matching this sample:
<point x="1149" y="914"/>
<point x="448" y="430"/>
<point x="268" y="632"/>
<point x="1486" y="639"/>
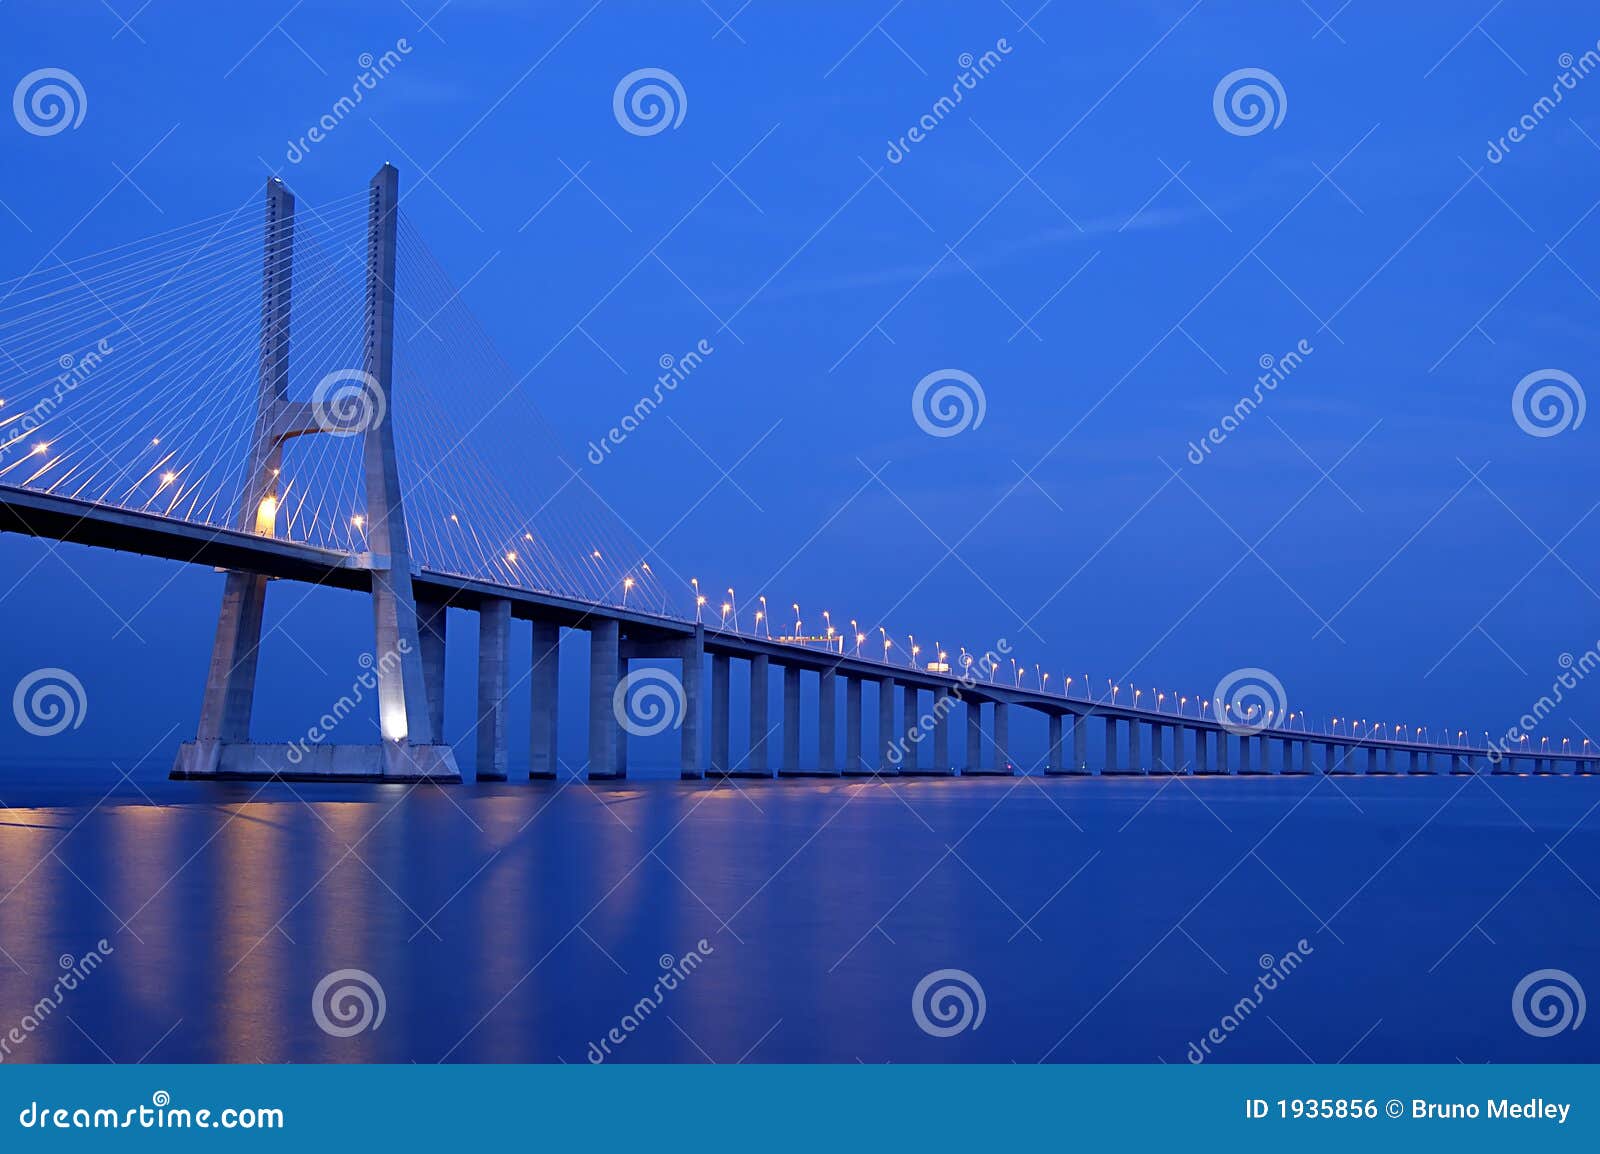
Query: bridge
<point x="173" y="434"/>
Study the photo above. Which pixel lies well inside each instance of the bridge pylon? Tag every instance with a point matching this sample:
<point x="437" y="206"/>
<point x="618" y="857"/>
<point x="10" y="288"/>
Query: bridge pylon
<point x="409" y="749"/>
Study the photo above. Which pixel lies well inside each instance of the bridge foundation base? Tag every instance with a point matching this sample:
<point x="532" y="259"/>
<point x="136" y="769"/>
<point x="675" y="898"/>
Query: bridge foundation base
<point x="250" y="761"/>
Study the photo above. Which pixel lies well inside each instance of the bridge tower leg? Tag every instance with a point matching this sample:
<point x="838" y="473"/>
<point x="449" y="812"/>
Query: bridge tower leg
<point x="406" y="716"/>
<point x="230" y="681"/>
<point x="1080" y="742"/>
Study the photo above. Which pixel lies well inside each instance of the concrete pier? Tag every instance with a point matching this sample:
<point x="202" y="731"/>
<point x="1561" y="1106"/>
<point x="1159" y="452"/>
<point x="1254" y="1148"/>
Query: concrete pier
<point x="1135" y="747"/>
<point x="853" y="765"/>
<point x="1202" y="759"/>
<point x="943" y="706"/>
<point x="911" y="712"/>
<point x="1080" y="743"/>
<point x="1055" y="756"/>
<point x="432" y="618"/>
<point x="721" y="690"/>
<point x="1002" y="738"/>
<point x="888" y="755"/>
<point x="544" y="690"/>
<point x="494" y="645"/>
<point x="1111" y="765"/>
<point x="790" y="766"/>
<point x="974" y="763"/>
<point x="827" y="723"/>
<point x="691" y="736"/>
<point x="757" y="763"/>
<point x="604" y="661"/>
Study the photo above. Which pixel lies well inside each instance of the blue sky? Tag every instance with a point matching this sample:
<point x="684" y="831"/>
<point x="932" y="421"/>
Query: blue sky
<point x="1378" y="533"/>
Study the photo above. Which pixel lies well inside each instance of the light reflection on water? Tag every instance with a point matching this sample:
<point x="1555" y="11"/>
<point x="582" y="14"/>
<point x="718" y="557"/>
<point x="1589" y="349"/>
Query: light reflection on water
<point x="1114" y="920"/>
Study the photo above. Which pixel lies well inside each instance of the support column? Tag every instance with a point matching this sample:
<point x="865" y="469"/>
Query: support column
<point x="1177" y="763"/>
<point x="1135" y="743"/>
<point x="1111" y="747"/>
<point x="1055" y="759"/>
<point x="1222" y="752"/>
<point x="791" y="722"/>
<point x="887" y="754"/>
<point x="943" y="706"/>
<point x="1002" y="738"/>
<point x="853" y="765"/>
<point x="974" y="737"/>
<point x="1201" y="758"/>
<point x="431" y="621"/>
<point x="827" y="722"/>
<point x="494" y="645"/>
<point x="1080" y="743"/>
<point x="911" y="712"/>
<point x="760" y="696"/>
<point x="1244" y="753"/>
<point x="604" y="660"/>
<point x="691" y="738"/>
<point x="721" y="678"/>
<point x="544" y="680"/>
<point x="1286" y="751"/>
<point x="1306" y="765"/>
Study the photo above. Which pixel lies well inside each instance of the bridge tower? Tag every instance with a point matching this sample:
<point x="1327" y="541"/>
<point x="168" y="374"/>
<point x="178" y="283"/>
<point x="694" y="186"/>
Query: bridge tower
<point x="409" y="749"/>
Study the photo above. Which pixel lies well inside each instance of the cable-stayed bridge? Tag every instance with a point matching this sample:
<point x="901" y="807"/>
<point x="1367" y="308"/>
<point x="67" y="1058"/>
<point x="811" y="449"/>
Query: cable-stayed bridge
<point x="279" y="393"/>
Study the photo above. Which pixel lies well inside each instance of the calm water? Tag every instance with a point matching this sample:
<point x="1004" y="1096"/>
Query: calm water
<point x="1105" y="919"/>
